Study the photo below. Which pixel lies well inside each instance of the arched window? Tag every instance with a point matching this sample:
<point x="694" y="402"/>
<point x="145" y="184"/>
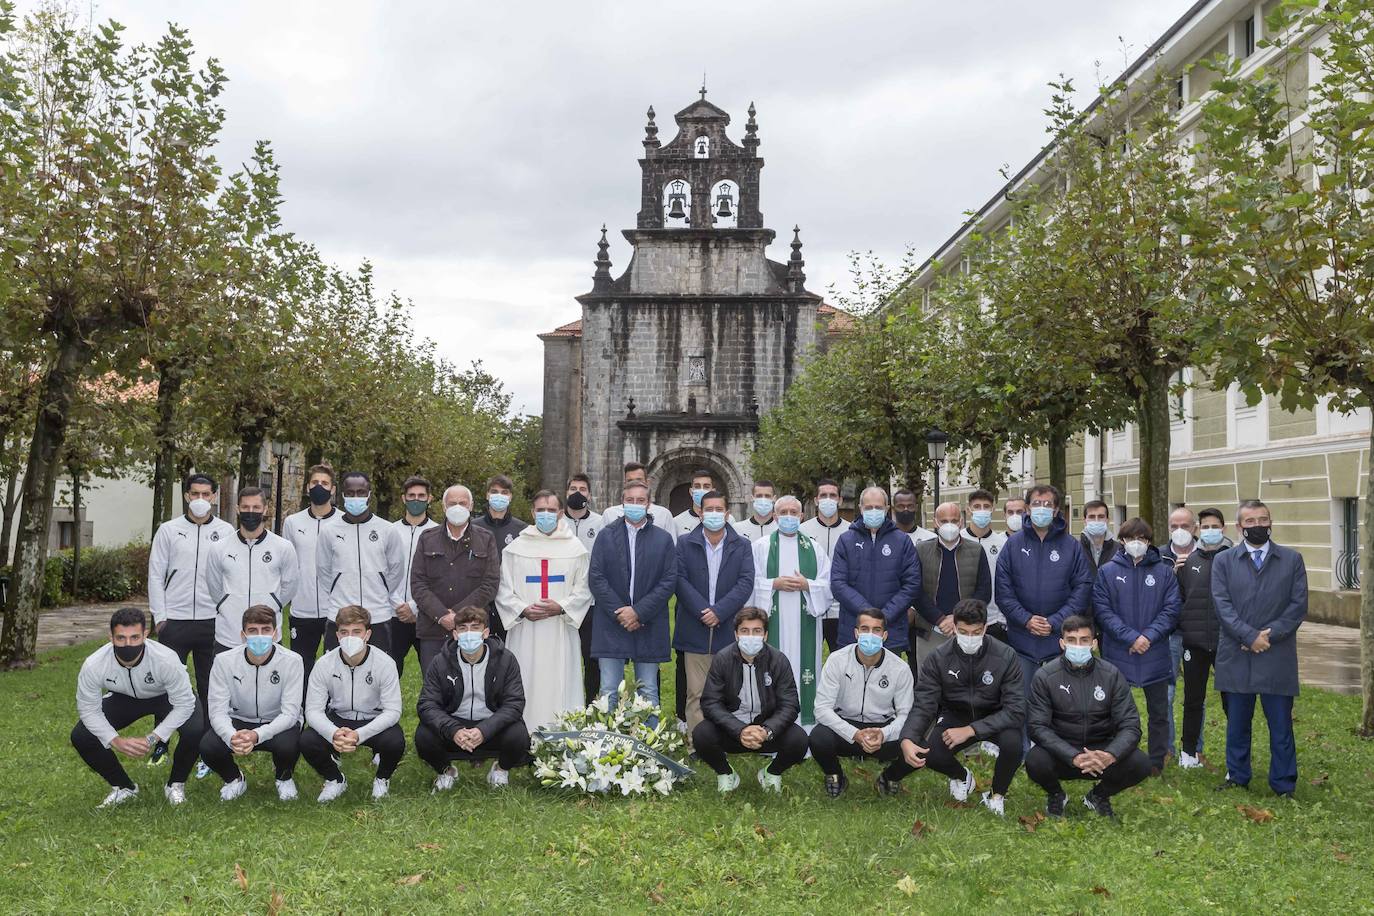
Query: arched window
<point x="725" y="204"/>
<point x="702" y="148"/>
<point x="677" y="204"/>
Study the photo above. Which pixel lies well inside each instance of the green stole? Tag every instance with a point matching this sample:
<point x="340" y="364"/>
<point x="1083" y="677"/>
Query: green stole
<point x="806" y="565"/>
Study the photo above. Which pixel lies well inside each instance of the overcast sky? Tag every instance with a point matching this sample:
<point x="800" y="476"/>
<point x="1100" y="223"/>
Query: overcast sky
<point x="473" y="150"/>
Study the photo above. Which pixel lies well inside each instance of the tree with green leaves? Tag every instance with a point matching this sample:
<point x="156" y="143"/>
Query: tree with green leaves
<point x="1292" y="168"/>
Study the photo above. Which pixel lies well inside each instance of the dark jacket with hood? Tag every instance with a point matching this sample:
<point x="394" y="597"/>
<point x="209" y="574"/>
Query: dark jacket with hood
<point x="441" y="696"/>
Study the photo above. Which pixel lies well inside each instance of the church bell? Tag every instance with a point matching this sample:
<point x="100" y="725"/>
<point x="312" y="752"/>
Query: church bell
<point x="724" y="202"/>
<point x="675" y="202"/>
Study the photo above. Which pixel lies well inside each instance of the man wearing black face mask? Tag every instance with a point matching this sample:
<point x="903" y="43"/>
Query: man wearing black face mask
<point x="585" y="525"/>
<point x="121" y="682"/>
<point x="253" y="567"/>
<point x="1260" y="592"/>
<point x="308" y="611"/>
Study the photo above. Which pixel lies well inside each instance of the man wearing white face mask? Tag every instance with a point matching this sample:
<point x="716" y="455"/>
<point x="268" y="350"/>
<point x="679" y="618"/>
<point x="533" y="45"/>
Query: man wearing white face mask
<point x="979" y="530"/>
<point x="953" y="568"/>
<point x="761" y="521"/>
<point x="1014" y="511"/>
<point x="824" y="531"/>
<point x="456" y="565"/>
<point x="542" y="599"/>
<point x="1182" y="544"/>
<point x="178" y="594"/>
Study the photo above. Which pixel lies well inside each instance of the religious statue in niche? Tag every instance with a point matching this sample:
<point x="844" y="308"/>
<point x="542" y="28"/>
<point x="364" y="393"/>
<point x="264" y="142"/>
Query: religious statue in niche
<point x="696" y="370"/>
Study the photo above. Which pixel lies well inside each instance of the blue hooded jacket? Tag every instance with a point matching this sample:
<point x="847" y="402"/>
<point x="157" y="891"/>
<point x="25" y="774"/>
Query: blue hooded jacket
<point x="875" y="569"/>
<point x="655" y="580"/>
<point x="1050" y="578"/>
<point x="1133" y="600"/>
<point x="734" y="586"/>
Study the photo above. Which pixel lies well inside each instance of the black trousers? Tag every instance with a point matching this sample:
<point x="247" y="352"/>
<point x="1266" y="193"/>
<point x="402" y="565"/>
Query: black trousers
<point x="195" y="638"/>
<point x="498" y="629"/>
<point x="429" y="650"/>
<point x="284" y="746"/>
<point x="1157" y="721"/>
<point x="714" y="745"/>
<point x="318" y="750"/>
<point x="510" y="746"/>
<point x="998" y="631"/>
<point x="830" y="631"/>
<point x="307" y="633"/>
<point x="381" y="636"/>
<point x="1197" y="666"/>
<point x="123" y="711"/>
<point x="680" y="687"/>
<point x="941" y="759"/>
<point x="1046" y="770"/>
<point x="591" y="671"/>
<point x="827" y="748"/>
<point x="403" y="639"/>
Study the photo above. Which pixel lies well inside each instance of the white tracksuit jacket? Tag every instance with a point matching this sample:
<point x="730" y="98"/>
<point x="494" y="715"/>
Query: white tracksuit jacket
<point x="266" y="695"/>
<point x="360" y="562"/>
<point x="176" y="568"/>
<point x="158" y="672"/>
<point x="371" y="690"/>
<point x="243" y="573"/>
<point x="303" y="531"/>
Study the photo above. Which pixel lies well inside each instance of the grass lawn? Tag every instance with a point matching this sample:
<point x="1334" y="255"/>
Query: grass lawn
<point x="1178" y="847"/>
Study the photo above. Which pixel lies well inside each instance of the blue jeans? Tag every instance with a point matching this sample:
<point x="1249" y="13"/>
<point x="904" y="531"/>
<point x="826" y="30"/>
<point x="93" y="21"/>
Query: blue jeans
<point x="1028" y="668"/>
<point x="1283" y="751"/>
<point x="613" y="672"/>
<point x="1176" y="652"/>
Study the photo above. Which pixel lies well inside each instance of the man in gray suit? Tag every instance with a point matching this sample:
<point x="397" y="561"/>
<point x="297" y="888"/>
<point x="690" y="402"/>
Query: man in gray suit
<point x="1260" y="591"/>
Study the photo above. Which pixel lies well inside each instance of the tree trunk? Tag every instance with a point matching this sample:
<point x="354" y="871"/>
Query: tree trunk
<point x="989" y="464"/>
<point x="169" y="384"/>
<point x="1367" y="595"/>
<point x="250" y="456"/>
<point x="19" y="640"/>
<point x="76" y="524"/>
<point x="1059" y="461"/>
<point x="313" y="456"/>
<point x="7" y="510"/>
<point x="1152" y="421"/>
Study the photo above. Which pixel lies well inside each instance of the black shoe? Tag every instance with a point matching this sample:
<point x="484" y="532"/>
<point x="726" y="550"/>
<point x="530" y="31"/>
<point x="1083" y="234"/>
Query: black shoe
<point x="1229" y="784"/>
<point x="889" y="787"/>
<point x="1054" y="805"/>
<point x="1102" y="806"/>
<point x="1288" y="795"/>
<point x="835" y="785"/>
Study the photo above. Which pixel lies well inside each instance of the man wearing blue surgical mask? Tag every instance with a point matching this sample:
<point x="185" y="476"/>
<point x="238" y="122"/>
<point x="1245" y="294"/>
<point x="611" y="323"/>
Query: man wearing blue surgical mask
<point x="1198" y="629"/>
<point x="824" y="531"/>
<point x="875" y="566"/>
<point x="359" y="562"/>
<point x="761" y="520"/>
<point x="662" y="516"/>
<point x="980" y="530"/>
<point x="1043" y="577"/>
<point x="1099" y="545"/>
<point x="504" y="528"/>
<point x="688" y="519"/>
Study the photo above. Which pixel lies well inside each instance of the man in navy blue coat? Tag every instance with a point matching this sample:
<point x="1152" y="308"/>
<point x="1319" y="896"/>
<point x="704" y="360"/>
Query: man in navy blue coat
<point x="1260" y="592"/>
<point x="715" y="577"/>
<point x="1043" y="578"/>
<point x="875" y="566"/>
<point x="633" y="575"/>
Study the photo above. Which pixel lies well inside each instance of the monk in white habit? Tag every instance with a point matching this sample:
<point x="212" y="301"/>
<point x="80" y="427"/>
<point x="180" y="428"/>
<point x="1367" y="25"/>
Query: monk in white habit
<point x="543" y="599"/>
<point x="792" y="583"/>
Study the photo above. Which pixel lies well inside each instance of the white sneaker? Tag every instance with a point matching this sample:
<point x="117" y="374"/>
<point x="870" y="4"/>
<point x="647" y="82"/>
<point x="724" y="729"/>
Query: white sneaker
<point x="727" y="783"/>
<point x="991" y="749"/>
<point x="333" y="789"/>
<point x="960" y="788"/>
<point x="444" y="781"/>
<point x="175" y="792"/>
<point x="498" y="778"/>
<point x="769" y="781"/>
<point x="995" y="804"/>
<point x="376" y="761"/>
<point x="202" y="770"/>
<point x="232" y="790"/>
<point x="286" y="790"/>
<point x="381" y="788"/>
<point x="1188" y="762"/>
<point x="118" y="796"/>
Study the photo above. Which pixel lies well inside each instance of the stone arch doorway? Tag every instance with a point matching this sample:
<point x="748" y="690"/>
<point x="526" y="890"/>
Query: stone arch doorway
<point x="672" y="472"/>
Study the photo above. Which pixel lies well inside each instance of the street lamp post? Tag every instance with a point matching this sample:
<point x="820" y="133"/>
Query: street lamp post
<point x="936" y="440"/>
<point x="279" y="450"/>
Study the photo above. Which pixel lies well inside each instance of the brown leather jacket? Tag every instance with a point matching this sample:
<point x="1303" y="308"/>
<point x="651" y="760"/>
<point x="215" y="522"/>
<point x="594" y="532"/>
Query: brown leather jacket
<point x="447" y="575"/>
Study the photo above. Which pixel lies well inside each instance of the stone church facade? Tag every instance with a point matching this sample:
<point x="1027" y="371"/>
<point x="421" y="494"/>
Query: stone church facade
<point x="672" y="362"/>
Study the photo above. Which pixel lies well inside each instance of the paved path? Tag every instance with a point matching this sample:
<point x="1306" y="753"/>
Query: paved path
<point x="1328" y="656"/>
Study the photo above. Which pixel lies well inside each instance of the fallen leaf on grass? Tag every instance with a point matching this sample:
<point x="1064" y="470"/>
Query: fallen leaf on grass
<point x="907" y="886"/>
<point x="763" y="831"/>
<point x="1102" y="892"/>
<point x="276" y="903"/>
<point x="429" y="847"/>
<point x="1258" y="815"/>
<point x="811" y="879"/>
<point x="1164" y="799"/>
<point x="1340" y="854"/>
<point x="1321" y="780"/>
<point x="1031" y="821"/>
<point x="656" y="895"/>
<point x="921" y="828"/>
<point x="411" y="880"/>
<point x="241" y="877"/>
<point x="951" y="803"/>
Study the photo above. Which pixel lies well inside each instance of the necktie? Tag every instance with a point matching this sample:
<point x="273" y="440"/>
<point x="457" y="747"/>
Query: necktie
<point x="1258" y="557"/>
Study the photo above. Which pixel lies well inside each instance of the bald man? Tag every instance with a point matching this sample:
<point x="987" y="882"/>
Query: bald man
<point x="952" y="568"/>
<point x="456" y="564"/>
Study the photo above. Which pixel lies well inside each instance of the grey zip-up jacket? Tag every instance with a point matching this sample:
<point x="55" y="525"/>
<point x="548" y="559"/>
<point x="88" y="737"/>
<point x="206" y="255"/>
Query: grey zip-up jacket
<point x="879" y="697"/>
<point x="369" y="690"/>
<point x="360" y="561"/>
<point x="266" y="695"/>
<point x="243" y="573"/>
<point x="176" y="568"/>
<point x="159" y="672"/>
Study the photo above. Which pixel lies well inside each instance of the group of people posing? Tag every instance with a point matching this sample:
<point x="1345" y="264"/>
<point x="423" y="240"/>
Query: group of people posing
<point x="788" y="635"/>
